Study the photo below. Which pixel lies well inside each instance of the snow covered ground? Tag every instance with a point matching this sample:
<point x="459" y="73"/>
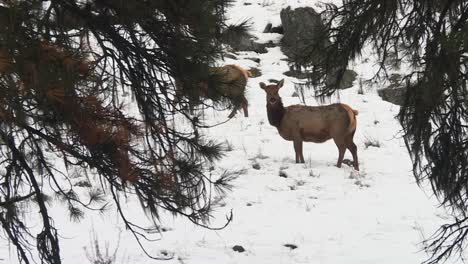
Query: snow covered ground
<point x="313" y="213"/>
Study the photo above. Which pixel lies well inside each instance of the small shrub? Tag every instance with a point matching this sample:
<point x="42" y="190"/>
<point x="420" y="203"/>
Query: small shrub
<point x="300" y="182"/>
<point x="228" y="146"/>
<point x="283" y="174"/>
<point x="314" y="174"/>
<point x="98" y="255"/>
<point x="371" y="142"/>
<point x="266" y="3"/>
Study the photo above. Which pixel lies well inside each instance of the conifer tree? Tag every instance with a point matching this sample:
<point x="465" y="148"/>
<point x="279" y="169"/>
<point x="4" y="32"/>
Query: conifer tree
<point x="65" y="69"/>
<point x="431" y="37"/>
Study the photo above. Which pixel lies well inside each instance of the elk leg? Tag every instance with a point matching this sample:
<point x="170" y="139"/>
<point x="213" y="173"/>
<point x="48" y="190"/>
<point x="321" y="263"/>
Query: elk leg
<point x="245" y="107"/>
<point x="341" y="151"/>
<point x="233" y="113"/>
<point x="353" y="149"/>
<point x="298" y="150"/>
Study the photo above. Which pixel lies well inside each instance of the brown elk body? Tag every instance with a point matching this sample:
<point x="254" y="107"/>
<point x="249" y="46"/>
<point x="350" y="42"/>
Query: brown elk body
<point x="233" y="80"/>
<point x="299" y="123"/>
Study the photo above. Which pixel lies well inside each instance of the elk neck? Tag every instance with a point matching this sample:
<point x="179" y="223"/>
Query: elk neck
<point x="275" y="113"/>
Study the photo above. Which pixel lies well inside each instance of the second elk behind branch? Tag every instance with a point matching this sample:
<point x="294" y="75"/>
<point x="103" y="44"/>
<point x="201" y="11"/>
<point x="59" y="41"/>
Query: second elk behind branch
<point x="225" y="85"/>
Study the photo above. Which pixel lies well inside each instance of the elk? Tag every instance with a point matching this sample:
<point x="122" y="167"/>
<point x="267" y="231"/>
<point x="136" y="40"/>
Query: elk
<point x="299" y="123"/>
<point x="232" y="80"/>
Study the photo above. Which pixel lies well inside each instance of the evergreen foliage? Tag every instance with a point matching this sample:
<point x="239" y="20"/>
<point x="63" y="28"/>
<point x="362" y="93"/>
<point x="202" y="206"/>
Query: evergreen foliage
<point x="65" y="67"/>
<point x="432" y="38"/>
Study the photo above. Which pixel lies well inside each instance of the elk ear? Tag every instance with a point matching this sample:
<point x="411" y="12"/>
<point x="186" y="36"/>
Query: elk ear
<point x="280" y="83"/>
<point x="262" y="85"/>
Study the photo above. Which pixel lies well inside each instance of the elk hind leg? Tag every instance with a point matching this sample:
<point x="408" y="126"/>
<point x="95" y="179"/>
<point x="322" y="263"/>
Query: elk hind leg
<point x="353" y="149"/>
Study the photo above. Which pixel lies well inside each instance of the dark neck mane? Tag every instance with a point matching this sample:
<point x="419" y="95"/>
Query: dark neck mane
<point x="275" y="113"/>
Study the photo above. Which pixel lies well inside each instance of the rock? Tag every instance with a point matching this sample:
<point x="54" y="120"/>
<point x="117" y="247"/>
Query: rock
<point x="270" y="29"/>
<point x="255" y="72"/>
<point x="238" y="37"/>
<point x="393" y="94"/>
<point x="302" y="29"/>
<point x="347" y="81"/>
<point x="230" y="56"/>
<point x="246" y="43"/>
<point x="238" y="248"/>
<point x="267" y="28"/>
<point x="297" y="74"/>
<point x="278" y="30"/>
<point x="257" y="60"/>
<point x="256" y="166"/>
<point x="348" y="78"/>
<point x="291" y="246"/>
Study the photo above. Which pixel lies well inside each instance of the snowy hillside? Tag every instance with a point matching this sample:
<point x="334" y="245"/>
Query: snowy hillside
<point x="285" y="212"/>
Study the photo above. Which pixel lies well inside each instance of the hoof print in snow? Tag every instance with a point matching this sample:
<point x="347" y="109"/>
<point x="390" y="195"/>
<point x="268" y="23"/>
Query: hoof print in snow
<point x="354" y="175"/>
<point x="361" y="184"/>
<point x="256" y="166"/>
<point x="248" y="204"/>
<point x="238" y="248"/>
<point x="283" y="174"/>
<point x="247" y="3"/>
<point x="291" y="246"/>
<point x="348" y="162"/>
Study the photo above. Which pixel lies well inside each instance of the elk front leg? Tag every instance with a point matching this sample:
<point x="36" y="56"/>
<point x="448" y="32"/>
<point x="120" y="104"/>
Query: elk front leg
<point x="298" y="150"/>
<point x="245" y="105"/>
<point x="233" y="113"/>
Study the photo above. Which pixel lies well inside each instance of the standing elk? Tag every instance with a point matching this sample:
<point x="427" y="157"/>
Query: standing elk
<point x="299" y="123"/>
<point x="232" y="81"/>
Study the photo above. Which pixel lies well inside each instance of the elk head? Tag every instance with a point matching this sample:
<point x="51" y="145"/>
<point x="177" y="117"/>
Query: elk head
<point x="272" y="95"/>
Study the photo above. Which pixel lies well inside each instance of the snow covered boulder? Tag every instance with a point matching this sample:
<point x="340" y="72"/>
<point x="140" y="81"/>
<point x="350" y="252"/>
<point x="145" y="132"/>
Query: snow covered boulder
<point x="393" y="94"/>
<point x="301" y="28"/>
